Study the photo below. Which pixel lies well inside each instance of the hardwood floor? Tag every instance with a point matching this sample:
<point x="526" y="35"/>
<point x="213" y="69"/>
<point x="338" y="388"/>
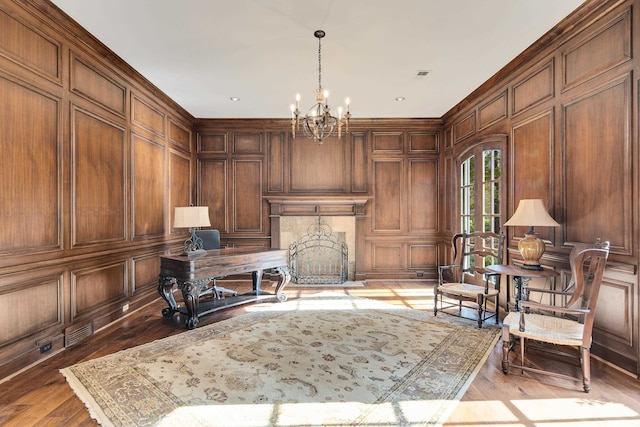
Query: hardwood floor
<point x="40" y="395"/>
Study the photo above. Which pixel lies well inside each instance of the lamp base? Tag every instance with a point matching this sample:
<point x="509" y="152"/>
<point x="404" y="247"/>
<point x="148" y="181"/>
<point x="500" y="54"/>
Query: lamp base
<point x="193" y="245"/>
<point x="531" y="248"/>
<point x="193" y="253"/>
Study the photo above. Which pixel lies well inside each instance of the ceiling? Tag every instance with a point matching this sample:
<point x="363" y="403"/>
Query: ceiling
<point x="202" y="53"/>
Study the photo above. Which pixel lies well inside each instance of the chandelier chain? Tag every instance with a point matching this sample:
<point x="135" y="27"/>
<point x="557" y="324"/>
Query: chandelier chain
<point x="319" y="63"/>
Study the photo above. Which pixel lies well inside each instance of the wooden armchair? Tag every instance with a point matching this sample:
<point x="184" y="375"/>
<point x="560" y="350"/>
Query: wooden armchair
<point x="466" y="283"/>
<point x="565" y="325"/>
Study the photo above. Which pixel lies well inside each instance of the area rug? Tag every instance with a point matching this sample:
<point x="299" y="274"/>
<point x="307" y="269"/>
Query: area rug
<point x="324" y="360"/>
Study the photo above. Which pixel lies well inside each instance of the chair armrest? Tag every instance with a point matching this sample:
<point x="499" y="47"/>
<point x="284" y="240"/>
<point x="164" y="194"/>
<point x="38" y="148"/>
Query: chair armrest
<point x="486" y="281"/>
<point x="443" y="268"/>
<point x="536" y="305"/>
<point x="549" y="291"/>
<point x="525" y="305"/>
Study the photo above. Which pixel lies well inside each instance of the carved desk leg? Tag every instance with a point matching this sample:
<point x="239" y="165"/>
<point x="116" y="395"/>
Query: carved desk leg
<point x="285" y="277"/>
<point x="165" y="288"/>
<point x="191" y="295"/>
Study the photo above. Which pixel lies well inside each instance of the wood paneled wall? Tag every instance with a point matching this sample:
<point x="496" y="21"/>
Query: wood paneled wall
<point x="94" y="159"/>
<point x="395" y="163"/>
<point x="568" y="107"/>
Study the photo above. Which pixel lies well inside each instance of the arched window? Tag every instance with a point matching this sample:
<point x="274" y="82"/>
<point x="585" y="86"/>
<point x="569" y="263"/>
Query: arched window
<point x="480" y="189"/>
<point x="480" y="186"/>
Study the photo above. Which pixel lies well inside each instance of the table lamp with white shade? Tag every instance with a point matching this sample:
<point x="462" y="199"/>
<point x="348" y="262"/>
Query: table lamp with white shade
<point x="531" y="213"/>
<point x="192" y="217"/>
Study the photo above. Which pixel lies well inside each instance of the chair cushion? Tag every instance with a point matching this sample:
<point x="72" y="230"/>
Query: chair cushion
<point x="549" y="329"/>
<point x="466" y="290"/>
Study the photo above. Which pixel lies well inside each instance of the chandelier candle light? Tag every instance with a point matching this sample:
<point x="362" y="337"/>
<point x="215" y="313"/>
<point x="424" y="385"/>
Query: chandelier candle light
<point x="531" y="213"/>
<point x="320" y="122"/>
<point x="192" y="217"/>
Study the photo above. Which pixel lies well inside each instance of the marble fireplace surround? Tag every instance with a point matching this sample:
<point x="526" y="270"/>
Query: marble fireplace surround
<point x="327" y="207"/>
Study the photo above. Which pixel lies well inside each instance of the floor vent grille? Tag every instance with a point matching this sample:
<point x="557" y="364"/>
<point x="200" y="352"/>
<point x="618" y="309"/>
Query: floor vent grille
<point x="75" y="334"/>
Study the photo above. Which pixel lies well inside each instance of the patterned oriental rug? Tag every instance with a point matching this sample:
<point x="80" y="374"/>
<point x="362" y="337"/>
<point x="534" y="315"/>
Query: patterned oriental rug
<point x="324" y="360"/>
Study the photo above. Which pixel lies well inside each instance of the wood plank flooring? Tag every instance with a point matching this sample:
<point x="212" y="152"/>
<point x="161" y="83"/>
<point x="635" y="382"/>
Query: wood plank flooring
<point x="40" y="396"/>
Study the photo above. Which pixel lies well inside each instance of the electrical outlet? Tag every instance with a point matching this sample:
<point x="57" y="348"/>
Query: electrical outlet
<point x="45" y="347"/>
<point x="125" y="308"/>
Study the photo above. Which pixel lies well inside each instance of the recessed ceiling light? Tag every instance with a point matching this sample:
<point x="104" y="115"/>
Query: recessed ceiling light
<point x="400" y="98"/>
<point x="235" y="99"/>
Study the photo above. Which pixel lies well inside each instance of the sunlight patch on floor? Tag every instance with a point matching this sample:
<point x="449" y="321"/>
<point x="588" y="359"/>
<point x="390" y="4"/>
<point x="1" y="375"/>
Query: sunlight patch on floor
<point x="574" y="409"/>
<point x="406" y="413"/>
<point x="372" y="293"/>
<point x="544" y="413"/>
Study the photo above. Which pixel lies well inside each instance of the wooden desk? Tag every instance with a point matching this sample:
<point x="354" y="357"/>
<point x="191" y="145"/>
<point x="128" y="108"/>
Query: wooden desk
<point x="193" y="275"/>
<point x="521" y="277"/>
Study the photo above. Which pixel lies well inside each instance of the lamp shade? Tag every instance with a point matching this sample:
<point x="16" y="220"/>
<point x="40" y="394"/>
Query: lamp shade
<point x="531" y="213"/>
<point x="191" y="216"/>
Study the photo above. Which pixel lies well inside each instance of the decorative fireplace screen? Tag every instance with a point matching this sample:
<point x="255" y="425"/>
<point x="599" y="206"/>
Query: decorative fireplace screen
<point x="319" y="256"/>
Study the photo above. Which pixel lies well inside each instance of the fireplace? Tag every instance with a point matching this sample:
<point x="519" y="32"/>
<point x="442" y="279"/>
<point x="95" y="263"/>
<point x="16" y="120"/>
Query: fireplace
<point x="318" y="254"/>
<point x="294" y="217"/>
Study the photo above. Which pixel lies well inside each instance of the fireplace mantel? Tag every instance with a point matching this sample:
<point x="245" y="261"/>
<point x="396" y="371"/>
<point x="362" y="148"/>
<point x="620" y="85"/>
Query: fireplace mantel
<point x="317" y="205"/>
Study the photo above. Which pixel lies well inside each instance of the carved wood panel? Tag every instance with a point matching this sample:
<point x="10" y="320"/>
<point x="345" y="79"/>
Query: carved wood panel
<point x="31" y="172"/>
<point x="424" y="142"/>
<point x="29" y="47"/>
<point x="319" y="167"/>
<point x="212" y="191"/>
<point x="247" y="143"/>
<point x="180" y="135"/>
<point x="492" y="111"/>
<point x="423" y="195"/>
<point x="247" y="196"/>
<point x="359" y="163"/>
<point x="387" y="256"/>
<point x="212" y="142"/>
<point x="95" y="286"/>
<point x="598" y="51"/>
<point x="387" y="201"/>
<point x="145" y="272"/>
<point x="179" y="184"/>
<point x="387" y="142"/>
<point x="534" y="88"/>
<point x="276" y="152"/>
<point x="613" y="321"/>
<point x="97" y="87"/>
<point x="99" y="175"/>
<point x="147" y="116"/>
<point x="423" y="256"/>
<point x="38" y="300"/>
<point x="464" y="127"/>
<point x="597" y="188"/>
<point x="148" y="187"/>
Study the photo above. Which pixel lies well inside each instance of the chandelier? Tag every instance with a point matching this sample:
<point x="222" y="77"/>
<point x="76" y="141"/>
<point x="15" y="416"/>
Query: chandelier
<point x="321" y="121"/>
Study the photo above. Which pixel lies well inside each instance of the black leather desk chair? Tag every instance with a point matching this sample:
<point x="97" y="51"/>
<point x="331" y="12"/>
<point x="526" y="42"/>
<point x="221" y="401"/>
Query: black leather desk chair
<point x="211" y="240"/>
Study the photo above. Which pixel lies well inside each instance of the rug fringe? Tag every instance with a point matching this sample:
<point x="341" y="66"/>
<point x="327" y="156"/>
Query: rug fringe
<point x="95" y="411"/>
